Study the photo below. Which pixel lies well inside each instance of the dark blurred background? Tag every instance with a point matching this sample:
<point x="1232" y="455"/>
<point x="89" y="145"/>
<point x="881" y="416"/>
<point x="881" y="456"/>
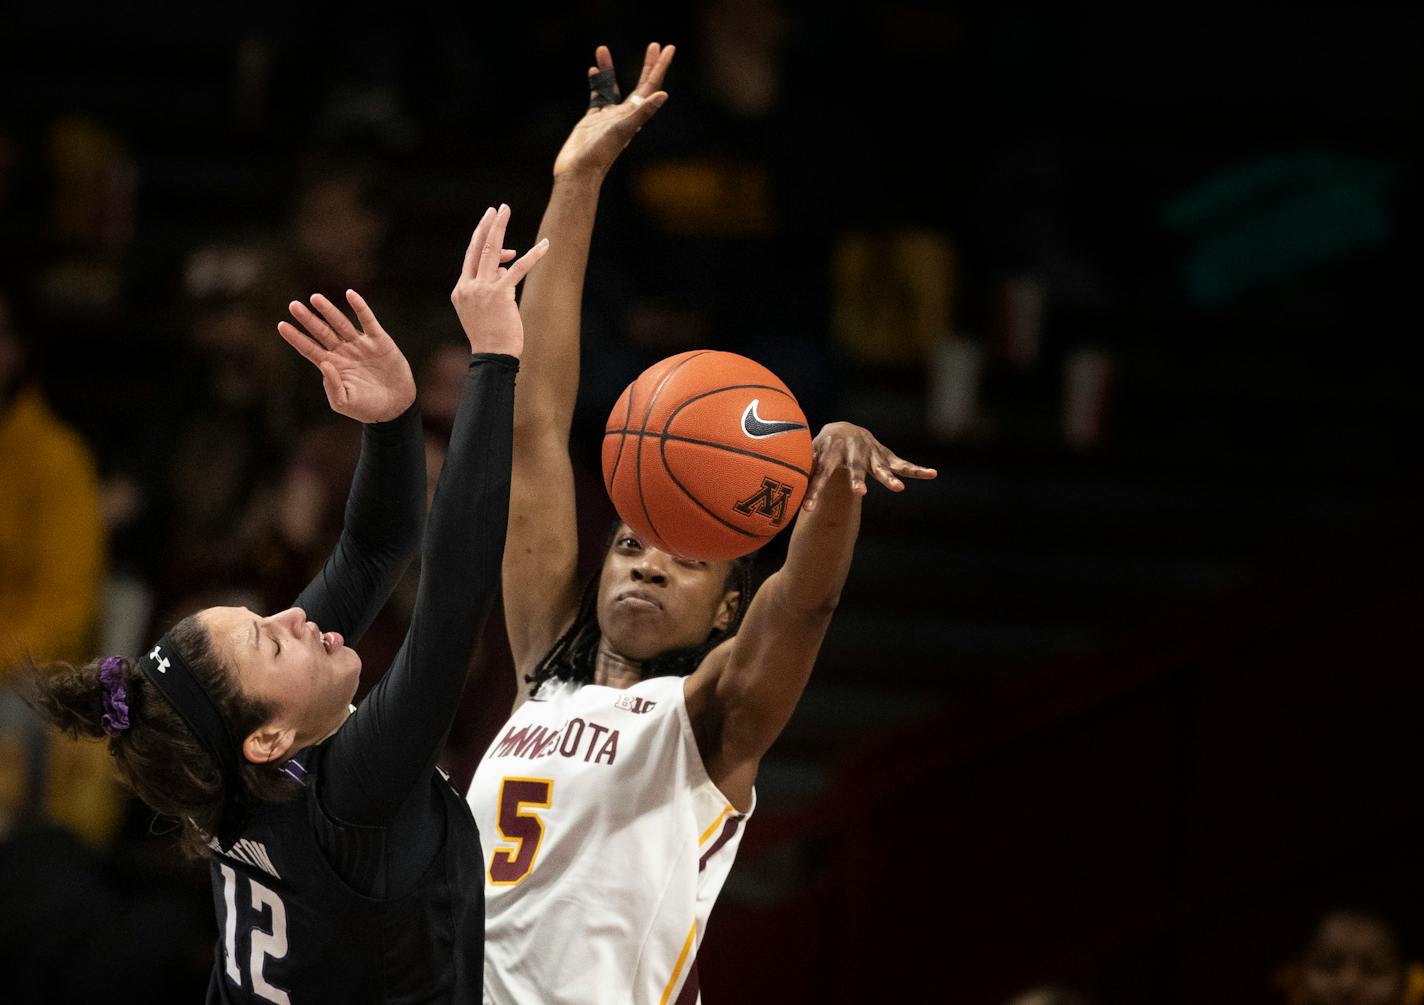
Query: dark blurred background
<point x="1124" y="707"/>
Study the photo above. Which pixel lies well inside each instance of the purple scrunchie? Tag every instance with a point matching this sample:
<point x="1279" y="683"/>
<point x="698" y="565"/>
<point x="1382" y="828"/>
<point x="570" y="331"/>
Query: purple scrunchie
<point x="116" y="709"/>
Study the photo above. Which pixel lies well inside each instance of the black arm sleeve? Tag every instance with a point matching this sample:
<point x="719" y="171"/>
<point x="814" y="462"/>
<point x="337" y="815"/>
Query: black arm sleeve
<point x="385" y="512"/>
<point x="389" y="745"/>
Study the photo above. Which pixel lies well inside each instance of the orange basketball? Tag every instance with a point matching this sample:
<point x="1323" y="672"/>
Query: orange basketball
<point x="706" y="455"/>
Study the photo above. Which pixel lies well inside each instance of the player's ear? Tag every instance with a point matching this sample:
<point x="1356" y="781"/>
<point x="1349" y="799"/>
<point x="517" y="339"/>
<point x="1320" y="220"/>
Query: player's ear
<point x="726" y="610"/>
<point x="268" y="743"/>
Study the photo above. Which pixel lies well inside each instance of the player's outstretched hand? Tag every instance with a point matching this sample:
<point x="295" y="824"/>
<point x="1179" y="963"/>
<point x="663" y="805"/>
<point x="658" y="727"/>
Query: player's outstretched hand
<point x="843" y="445"/>
<point x="484" y="293"/>
<point x="610" y="122"/>
<point x="365" y="375"/>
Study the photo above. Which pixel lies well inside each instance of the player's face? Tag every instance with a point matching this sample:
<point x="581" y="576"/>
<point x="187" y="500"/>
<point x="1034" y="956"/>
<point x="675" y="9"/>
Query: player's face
<point x="1353" y="961"/>
<point x="650" y="602"/>
<point x="306" y="676"/>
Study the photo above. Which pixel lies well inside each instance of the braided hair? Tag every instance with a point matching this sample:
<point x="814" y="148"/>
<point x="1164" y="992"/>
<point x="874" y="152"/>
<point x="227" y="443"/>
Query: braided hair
<point x="574" y="656"/>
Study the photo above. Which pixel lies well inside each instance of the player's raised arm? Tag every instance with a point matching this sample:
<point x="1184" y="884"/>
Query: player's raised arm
<point x="367" y="379"/>
<point x="390" y="745"/>
<point x="742" y="696"/>
<point x="541" y="550"/>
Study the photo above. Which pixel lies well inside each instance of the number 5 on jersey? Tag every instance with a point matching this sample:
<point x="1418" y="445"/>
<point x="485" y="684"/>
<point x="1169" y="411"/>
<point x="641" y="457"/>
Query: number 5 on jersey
<point x="523" y="831"/>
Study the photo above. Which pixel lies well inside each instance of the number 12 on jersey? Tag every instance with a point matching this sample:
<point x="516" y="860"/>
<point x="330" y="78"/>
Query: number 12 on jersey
<point x="264" y="945"/>
<point x="522" y="831"/>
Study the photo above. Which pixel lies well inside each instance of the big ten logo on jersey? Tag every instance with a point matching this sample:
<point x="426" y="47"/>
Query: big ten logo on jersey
<point x="576" y="739"/>
<point x="769" y="501"/>
<point x="635" y="704"/>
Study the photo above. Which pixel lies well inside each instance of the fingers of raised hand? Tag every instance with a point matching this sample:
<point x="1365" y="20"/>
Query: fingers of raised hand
<point x="813" y="491"/>
<point x="602" y="88"/>
<point x="339" y="322"/>
<point x="857" y="456"/>
<point x="521" y="268"/>
<point x="905" y="469"/>
<point x="301" y="342"/>
<point x="313" y="325"/>
<point x="477" y="240"/>
<point x="364" y="315"/>
<point x="602" y="81"/>
<point x="650" y="58"/>
<point x="493" y="244"/>
<point x="880" y="468"/>
<point x="331" y="381"/>
<point x="825" y="459"/>
<point x="472" y="254"/>
<point x="656" y="61"/>
<point x="645" y="109"/>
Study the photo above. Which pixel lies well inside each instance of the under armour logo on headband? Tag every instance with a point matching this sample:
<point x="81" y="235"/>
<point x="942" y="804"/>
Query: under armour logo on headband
<point x="167" y="670"/>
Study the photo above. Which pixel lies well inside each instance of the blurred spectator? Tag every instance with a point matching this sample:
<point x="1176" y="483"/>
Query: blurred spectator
<point x="93" y="184"/>
<point x="170" y="478"/>
<point x="51" y="534"/>
<point x="299" y="522"/>
<point x="1356" y="956"/>
<point x="236" y="422"/>
<point x="339" y="230"/>
<point x="51" y="570"/>
<point x="339" y="239"/>
<point x="91" y="215"/>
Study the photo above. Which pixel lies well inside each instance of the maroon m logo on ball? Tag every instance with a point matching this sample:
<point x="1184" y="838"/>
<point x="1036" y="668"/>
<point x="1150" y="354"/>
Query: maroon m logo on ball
<point x="768" y="501"/>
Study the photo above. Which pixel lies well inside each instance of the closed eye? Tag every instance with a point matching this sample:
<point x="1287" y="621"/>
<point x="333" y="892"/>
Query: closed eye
<point x="277" y="644"/>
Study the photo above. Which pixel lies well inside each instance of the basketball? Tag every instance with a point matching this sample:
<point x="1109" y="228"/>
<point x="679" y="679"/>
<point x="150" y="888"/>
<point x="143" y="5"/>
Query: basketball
<point x="706" y="455"/>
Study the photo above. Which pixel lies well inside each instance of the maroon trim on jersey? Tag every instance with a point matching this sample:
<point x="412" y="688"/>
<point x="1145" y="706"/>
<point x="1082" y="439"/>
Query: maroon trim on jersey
<point x="728" y="830"/>
<point x="690" y="987"/>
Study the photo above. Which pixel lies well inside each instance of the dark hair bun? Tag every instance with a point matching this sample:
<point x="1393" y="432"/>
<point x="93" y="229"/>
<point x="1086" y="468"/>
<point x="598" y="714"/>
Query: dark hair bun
<point x="72" y="698"/>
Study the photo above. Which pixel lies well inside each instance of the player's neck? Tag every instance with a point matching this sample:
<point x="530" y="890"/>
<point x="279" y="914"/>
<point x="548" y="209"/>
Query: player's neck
<point x="612" y="669"/>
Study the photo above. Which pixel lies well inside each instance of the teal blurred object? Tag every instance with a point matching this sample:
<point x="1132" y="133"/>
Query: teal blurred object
<point x="1277" y="217"/>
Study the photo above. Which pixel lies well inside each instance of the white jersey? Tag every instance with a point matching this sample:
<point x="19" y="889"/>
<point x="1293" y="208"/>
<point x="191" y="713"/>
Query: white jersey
<point x="605" y="846"/>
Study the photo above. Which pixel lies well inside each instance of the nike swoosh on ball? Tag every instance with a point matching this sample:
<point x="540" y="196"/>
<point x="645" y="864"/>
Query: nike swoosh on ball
<point x="758" y="428"/>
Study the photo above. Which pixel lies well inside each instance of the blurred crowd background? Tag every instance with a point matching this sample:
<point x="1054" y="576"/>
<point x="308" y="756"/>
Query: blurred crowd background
<point x="1125" y="707"/>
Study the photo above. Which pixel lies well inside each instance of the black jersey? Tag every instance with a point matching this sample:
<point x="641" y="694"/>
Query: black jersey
<point x="368" y="886"/>
<point x="292" y="931"/>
